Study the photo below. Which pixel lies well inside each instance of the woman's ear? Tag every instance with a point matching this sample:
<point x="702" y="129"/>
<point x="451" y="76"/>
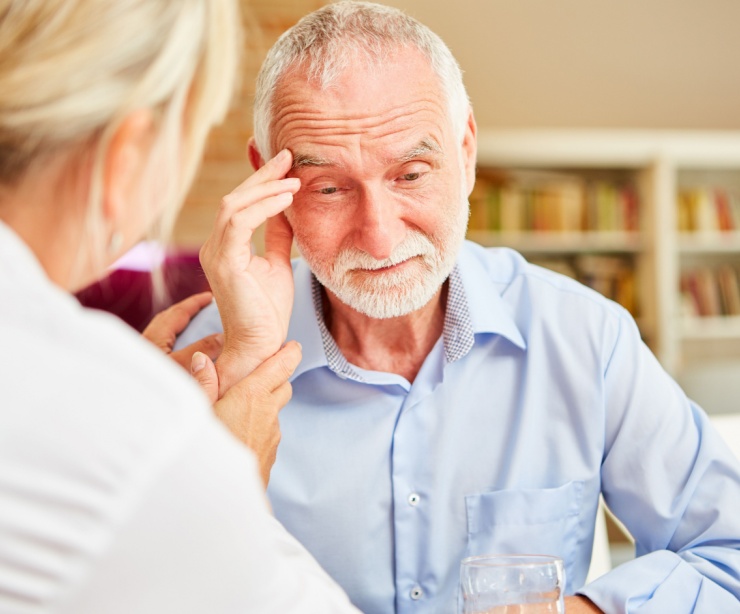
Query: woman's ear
<point x="255" y="159"/>
<point x="125" y="163"/>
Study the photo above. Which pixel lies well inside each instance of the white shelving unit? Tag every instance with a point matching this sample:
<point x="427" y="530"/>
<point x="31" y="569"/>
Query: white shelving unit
<point x="659" y="163"/>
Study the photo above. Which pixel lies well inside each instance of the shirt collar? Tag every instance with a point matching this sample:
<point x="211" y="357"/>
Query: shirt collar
<point x="484" y="287"/>
<point x="474" y="305"/>
<point x="335" y="360"/>
<point x="19" y="262"/>
<point x="304" y="322"/>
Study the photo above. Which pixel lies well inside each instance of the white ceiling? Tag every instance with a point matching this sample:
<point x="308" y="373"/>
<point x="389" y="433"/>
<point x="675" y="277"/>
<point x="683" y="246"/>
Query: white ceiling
<point x="594" y="63"/>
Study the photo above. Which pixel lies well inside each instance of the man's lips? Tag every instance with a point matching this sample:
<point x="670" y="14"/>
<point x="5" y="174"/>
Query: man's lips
<point x="392" y="267"/>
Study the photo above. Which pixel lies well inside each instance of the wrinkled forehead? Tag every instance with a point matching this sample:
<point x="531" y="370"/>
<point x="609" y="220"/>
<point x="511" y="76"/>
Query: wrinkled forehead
<point x="369" y="98"/>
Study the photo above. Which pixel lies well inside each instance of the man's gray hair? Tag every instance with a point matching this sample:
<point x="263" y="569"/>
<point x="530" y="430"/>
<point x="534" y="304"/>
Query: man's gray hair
<point x="325" y="43"/>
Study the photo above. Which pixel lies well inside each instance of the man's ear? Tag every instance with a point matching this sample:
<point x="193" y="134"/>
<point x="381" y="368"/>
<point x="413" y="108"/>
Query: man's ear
<point x="470" y="150"/>
<point x="255" y="158"/>
<point x="125" y="161"/>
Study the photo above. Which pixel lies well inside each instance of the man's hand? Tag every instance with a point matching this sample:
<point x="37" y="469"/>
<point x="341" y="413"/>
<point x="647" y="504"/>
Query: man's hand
<point x="250" y="407"/>
<point x="580" y="605"/>
<point x="254" y="294"/>
<point x="166" y="325"/>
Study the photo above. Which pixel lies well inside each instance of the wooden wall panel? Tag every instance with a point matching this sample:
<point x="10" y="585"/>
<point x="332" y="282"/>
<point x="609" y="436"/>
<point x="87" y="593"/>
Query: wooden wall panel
<point x="225" y="163"/>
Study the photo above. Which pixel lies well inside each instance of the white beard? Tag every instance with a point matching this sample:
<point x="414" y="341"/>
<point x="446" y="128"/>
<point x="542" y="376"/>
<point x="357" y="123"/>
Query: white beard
<point x="392" y="294"/>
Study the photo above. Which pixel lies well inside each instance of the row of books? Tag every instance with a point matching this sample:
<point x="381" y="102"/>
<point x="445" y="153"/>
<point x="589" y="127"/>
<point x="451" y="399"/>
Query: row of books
<point x="550" y="202"/>
<point x="707" y="210"/>
<point x="710" y="291"/>
<point x="612" y="276"/>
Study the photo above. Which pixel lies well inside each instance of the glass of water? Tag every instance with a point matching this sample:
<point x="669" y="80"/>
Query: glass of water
<point x="512" y="584"/>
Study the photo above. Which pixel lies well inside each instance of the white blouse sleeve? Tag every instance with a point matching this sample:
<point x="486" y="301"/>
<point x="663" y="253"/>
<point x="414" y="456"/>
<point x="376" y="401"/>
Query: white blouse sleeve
<point x="201" y="540"/>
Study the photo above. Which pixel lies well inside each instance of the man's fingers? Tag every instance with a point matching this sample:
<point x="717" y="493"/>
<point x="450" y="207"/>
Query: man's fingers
<point x="254" y="206"/>
<point x="242" y="224"/>
<point x="204" y="372"/>
<point x="276" y="168"/>
<point x="276" y="370"/>
<point x="243" y="198"/>
<point x="268" y="181"/>
<point x="278" y="238"/>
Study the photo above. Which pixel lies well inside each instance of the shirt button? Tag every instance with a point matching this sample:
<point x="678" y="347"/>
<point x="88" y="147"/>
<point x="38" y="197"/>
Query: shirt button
<point x="414" y="499"/>
<point x="416" y="593"/>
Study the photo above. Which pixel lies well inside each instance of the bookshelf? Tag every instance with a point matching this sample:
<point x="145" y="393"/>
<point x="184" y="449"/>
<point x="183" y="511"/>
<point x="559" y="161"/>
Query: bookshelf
<point x="639" y="210"/>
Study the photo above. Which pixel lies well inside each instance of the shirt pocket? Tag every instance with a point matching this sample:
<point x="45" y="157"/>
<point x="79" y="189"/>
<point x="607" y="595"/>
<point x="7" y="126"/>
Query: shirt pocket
<point x="527" y="521"/>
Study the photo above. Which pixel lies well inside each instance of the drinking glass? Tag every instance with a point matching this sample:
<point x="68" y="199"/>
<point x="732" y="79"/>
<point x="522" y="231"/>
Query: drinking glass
<point x="512" y="584"/>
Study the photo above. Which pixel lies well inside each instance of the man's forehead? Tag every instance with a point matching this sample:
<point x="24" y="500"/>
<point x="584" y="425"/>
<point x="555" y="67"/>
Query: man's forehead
<point x="372" y="101"/>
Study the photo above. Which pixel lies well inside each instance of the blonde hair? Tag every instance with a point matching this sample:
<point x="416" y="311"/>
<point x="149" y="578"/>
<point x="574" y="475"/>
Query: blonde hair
<point x="325" y="43"/>
<point x="72" y="70"/>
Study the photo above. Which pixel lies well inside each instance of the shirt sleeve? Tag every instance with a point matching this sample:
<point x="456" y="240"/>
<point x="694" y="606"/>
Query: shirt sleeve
<point x="668" y="476"/>
<point x="201" y="539"/>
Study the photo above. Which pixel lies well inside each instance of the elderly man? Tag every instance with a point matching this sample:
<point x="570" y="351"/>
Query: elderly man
<point x="455" y="400"/>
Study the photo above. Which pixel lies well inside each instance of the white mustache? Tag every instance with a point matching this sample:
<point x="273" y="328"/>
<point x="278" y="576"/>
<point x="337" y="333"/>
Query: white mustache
<point x="415" y="244"/>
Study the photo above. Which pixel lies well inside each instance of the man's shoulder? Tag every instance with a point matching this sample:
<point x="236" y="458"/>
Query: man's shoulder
<point x="518" y="280"/>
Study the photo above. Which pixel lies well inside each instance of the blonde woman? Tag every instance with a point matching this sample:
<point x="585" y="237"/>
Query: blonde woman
<point x="119" y="489"/>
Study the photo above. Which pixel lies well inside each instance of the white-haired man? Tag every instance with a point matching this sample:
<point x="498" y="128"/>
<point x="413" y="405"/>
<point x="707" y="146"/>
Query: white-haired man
<point x="453" y="400"/>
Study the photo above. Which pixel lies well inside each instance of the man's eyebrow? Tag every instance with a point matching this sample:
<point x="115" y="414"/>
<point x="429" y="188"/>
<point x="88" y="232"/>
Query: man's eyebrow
<point x="425" y="147"/>
<point x="302" y="160"/>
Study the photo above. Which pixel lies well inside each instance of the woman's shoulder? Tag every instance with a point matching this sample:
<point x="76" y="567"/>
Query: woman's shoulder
<point x="89" y="373"/>
<point x="96" y="428"/>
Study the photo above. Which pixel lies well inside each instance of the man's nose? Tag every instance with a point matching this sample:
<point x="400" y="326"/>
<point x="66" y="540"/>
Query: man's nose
<point x="379" y="226"/>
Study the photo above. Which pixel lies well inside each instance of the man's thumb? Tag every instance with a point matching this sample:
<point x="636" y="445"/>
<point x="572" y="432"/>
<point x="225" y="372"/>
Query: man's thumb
<point x="204" y="372"/>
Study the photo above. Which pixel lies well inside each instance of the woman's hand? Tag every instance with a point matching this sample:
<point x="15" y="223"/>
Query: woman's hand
<point x="166" y="325"/>
<point x="254" y="294"/>
<point x="250" y="407"/>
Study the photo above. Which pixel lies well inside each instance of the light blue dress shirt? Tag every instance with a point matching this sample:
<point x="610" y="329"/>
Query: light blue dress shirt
<point x="539" y="396"/>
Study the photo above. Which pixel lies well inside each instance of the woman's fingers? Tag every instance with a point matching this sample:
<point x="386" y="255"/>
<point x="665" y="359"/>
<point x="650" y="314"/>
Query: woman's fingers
<point x="211" y="346"/>
<point x="204" y="372"/>
<point x="166" y="325"/>
<point x="251" y="407"/>
<point x="277" y="369"/>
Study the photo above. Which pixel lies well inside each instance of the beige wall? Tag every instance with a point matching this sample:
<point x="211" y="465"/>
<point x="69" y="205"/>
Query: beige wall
<point x="594" y="63"/>
<point x="535" y="63"/>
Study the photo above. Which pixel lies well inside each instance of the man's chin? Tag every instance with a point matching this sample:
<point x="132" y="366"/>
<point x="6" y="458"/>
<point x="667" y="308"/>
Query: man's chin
<point x="386" y="303"/>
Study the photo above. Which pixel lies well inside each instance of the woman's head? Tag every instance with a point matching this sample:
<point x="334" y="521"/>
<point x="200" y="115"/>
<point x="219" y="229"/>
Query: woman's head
<point x="72" y="72"/>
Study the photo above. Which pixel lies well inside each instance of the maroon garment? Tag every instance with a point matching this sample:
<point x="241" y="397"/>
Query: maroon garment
<point x="128" y="293"/>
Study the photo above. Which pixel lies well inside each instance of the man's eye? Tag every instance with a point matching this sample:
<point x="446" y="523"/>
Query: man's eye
<point x="328" y="190"/>
<point x="410" y="176"/>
